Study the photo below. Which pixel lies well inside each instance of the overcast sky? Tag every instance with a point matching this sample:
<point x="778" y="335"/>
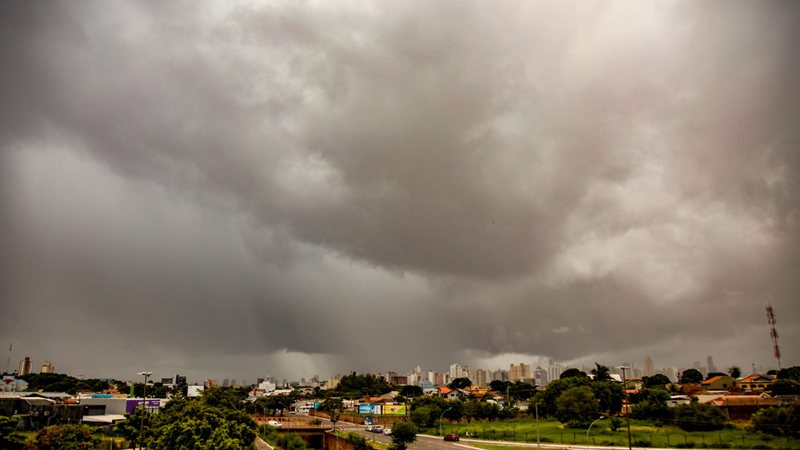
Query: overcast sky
<point x="235" y="189"/>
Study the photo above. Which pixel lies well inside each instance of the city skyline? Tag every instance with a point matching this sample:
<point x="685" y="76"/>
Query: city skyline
<point x="242" y="188"/>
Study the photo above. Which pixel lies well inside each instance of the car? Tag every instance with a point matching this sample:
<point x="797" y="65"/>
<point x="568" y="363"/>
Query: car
<point x="451" y="438"/>
<point x="274" y="423"/>
<point x="377" y="429"/>
<point x="387" y="431"/>
<point x="369" y="427"/>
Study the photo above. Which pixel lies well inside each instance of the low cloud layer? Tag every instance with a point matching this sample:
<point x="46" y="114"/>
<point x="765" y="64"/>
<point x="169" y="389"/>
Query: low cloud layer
<point x="234" y="190"/>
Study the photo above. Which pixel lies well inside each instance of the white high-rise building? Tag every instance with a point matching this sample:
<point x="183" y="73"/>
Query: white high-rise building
<point x="649" y="370"/>
<point x="456" y="371"/>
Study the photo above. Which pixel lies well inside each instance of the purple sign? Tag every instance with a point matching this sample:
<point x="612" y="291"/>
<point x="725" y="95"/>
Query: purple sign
<point x="152" y="403"/>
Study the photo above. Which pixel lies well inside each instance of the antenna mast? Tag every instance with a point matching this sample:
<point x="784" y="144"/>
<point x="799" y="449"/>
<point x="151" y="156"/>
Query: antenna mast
<point x="774" y="334"/>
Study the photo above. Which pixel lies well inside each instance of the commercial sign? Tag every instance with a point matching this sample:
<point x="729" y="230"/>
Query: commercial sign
<point x="131" y="405"/>
<point x="365" y="408"/>
<point x="394" y="409"/>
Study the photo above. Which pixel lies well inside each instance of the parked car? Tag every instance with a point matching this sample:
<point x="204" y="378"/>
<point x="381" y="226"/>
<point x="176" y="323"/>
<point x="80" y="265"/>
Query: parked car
<point x="387" y="431"/>
<point x="274" y="423"/>
<point x="451" y="438"/>
<point x="377" y="429"/>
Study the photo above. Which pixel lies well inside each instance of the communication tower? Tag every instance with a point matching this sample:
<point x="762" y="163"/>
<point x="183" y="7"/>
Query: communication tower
<point x="774" y="334"/>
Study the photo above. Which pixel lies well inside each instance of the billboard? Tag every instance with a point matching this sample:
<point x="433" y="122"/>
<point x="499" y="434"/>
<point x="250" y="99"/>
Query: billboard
<point x="365" y="408"/>
<point x="394" y="409"/>
<point x="152" y="403"/>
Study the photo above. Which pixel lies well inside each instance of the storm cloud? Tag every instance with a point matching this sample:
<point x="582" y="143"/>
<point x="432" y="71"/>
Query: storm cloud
<point x="314" y="187"/>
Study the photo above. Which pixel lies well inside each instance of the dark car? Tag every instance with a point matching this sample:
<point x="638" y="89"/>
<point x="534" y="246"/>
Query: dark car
<point x="451" y="438"/>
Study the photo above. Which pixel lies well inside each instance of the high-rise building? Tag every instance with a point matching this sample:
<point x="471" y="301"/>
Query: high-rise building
<point x="25" y="366"/>
<point x="456" y="371"/>
<point x="180" y="380"/>
<point x="649" y="370"/>
<point x="710" y="364"/>
<point x="482" y="377"/>
<point x="518" y="372"/>
<point x="554" y="371"/>
<point x="540" y="376"/>
<point x="47" y="367"/>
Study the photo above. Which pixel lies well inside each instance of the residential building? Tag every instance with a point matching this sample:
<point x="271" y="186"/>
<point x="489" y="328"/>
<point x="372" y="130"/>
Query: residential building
<point x="482" y="377"/>
<point x="456" y="371"/>
<point x="47" y="367"/>
<point x="710" y="364"/>
<point x="500" y="375"/>
<point x="649" y="370"/>
<point x="754" y="383"/>
<point x="719" y="382"/>
<point x="25" y="366"/>
<point x="519" y="372"/>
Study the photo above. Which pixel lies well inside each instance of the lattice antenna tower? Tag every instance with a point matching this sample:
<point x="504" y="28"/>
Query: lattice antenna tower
<point x="774" y="333"/>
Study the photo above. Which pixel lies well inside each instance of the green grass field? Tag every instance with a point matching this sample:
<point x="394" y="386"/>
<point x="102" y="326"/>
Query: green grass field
<point x="643" y="434"/>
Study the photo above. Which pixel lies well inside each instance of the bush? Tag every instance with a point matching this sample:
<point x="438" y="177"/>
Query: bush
<point x="65" y="437"/>
<point x="684" y="445"/>
<point x="700" y="417"/>
<point x="615" y="423"/>
<point x="315" y="421"/>
<point x="778" y="421"/>
<point x="641" y="443"/>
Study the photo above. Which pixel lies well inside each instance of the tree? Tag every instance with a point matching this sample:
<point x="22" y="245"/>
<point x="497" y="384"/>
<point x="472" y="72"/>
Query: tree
<point x="226" y="397"/>
<point x="499" y="386"/>
<point x="577" y="406"/>
<point x="9" y="437"/>
<point x="652" y="405"/>
<point x="356" y="385"/>
<point x="196" y="425"/>
<point x="715" y="374"/>
<point x="460" y="383"/>
<point x="734" y="372"/>
<point x="66" y="437"/>
<point x="569" y="373"/>
<point x="292" y="441"/>
<point x="657" y="380"/>
<point x="403" y="434"/>
<point x="132" y="425"/>
<point x="521" y="390"/>
<point x="789" y="373"/>
<point x="410" y="391"/>
<point x="609" y="394"/>
<point x="691" y="376"/>
<point x="779" y="421"/>
<point x="600" y="372"/>
<point x="700" y="417"/>
<point x="547" y="398"/>
<point x="333" y="407"/>
<point x="784" y="387"/>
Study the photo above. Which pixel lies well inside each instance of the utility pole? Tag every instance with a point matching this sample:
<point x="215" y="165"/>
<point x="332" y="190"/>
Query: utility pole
<point x="144" y="407"/>
<point x="627" y="413"/>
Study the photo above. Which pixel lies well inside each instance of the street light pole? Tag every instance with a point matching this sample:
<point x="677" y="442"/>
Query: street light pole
<point x="590" y="426"/>
<point x="144" y="407"/>
<point x="627" y="413"/>
<point x="440" y="419"/>
<point x="536" y="408"/>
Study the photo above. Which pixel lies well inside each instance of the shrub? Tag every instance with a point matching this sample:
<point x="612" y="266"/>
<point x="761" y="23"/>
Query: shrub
<point x="700" y="417"/>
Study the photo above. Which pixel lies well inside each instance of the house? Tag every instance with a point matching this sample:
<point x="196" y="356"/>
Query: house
<point x="742" y="407"/>
<point x="719" y="382"/>
<point x="675" y="400"/>
<point x="755" y="383"/>
<point x="451" y="394"/>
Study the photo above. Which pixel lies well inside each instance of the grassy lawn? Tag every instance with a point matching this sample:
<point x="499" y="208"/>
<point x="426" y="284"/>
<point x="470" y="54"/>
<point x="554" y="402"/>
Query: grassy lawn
<point x="643" y="434"/>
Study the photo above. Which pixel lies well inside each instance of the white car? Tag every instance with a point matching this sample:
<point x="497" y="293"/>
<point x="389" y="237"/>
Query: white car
<point x="387" y="431"/>
<point x="274" y="423"/>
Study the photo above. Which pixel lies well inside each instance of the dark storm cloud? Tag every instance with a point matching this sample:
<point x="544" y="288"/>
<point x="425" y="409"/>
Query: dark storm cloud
<point x="300" y="184"/>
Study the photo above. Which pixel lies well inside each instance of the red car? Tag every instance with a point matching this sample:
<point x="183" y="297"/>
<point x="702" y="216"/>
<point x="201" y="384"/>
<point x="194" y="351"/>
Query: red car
<point x="451" y="438"/>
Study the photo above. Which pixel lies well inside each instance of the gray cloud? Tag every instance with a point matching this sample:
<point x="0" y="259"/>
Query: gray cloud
<point x="290" y="187"/>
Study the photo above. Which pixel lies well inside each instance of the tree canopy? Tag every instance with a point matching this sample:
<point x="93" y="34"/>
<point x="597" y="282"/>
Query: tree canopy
<point x="691" y="376"/>
<point x="570" y="373"/>
<point x="357" y="385"/>
<point x="601" y="372"/>
<point x="577" y="406"/>
<point x="403" y="434"/>
<point x="657" y="380"/>
<point x="460" y="383"/>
